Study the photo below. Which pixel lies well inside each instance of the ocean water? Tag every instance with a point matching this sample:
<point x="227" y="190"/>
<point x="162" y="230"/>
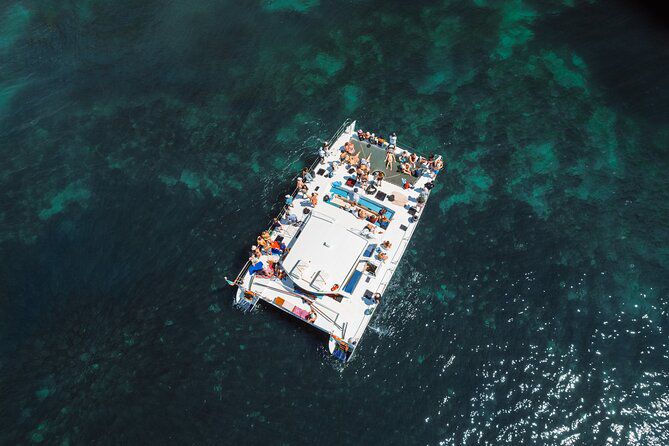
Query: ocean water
<point x="144" y="144"/>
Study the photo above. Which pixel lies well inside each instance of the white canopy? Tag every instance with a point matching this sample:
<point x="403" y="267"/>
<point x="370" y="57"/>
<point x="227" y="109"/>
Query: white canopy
<point x="323" y="255"/>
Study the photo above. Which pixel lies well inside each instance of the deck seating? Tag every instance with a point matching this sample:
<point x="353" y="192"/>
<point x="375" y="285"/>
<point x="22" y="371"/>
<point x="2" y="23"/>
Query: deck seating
<point x="353" y="281"/>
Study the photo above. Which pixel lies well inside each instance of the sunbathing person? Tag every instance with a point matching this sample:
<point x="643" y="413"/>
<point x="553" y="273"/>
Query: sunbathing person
<point x="383" y="256"/>
<point x="379" y="178"/>
<point x="362" y="214"/>
<point x="314" y="199"/>
<point x="390" y="160"/>
<point x="370" y="227"/>
<point x="406" y="168"/>
<point x="349" y="148"/>
<point x="301" y="186"/>
<point x="354" y="159"/>
<point x="413" y="159"/>
<point x="386" y="244"/>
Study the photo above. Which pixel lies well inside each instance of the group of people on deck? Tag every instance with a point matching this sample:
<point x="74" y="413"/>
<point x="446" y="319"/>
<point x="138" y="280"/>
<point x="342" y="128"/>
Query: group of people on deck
<point x="408" y="163"/>
<point x="414" y="165"/>
<point x="269" y="248"/>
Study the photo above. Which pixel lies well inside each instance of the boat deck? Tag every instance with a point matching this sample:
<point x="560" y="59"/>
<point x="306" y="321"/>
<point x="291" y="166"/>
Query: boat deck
<point x="348" y="314"/>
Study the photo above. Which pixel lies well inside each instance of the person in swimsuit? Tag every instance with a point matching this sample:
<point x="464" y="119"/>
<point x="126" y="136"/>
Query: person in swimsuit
<point x="314" y="199"/>
<point x="413" y="159"/>
<point x="390" y="160"/>
<point x="379" y="178"/>
<point x="301" y="186"/>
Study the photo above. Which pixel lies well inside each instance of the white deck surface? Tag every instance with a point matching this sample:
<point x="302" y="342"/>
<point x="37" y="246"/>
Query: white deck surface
<point x="325" y="252"/>
<point x="341" y="230"/>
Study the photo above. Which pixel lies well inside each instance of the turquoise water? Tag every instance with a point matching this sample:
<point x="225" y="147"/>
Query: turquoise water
<point x="145" y="144"/>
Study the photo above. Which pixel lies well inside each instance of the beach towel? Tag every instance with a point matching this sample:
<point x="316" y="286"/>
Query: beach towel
<point x="304" y="314"/>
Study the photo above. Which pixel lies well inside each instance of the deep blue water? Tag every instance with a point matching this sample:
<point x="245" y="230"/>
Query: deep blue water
<point x="144" y="144"/>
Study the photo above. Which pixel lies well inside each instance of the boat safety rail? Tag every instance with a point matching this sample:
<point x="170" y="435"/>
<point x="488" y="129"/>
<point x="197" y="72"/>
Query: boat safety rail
<point x="284" y="208"/>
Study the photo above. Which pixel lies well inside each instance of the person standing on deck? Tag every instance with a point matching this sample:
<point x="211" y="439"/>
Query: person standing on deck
<point x="323" y="152"/>
<point x="354" y="196"/>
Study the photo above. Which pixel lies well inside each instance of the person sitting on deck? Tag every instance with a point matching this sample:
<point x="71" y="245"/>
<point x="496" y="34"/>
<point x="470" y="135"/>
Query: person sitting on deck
<point x="413" y="159"/>
<point x="363" y="178"/>
<point x="383" y="218"/>
<point x="255" y="252"/>
<point x="361" y="134"/>
<point x="354" y="159"/>
<point x="292" y="219"/>
<point x="276" y="224"/>
<point x="373" y="218"/>
<point x="362" y="214"/>
<point x="381" y="142"/>
<point x="373" y="139"/>
<point x="437" y="166"/>
<point x="314" y="199"/>
<point x="301" y="186"/>
<point x="406" y="168"/>
<point x="386" y="244"/>
<point x="306" y="175"/>
<point x="366" y="136"/>
<point x="379" y="178"/>
<point x="262" y="244"/>
<point x="256" y="265"/>
<point x="392" y="139"/>
<point x="349" y="148"/>
<point x="382" y="256"/>
<point x="278" y="247"/>
<point x="365" y="162"/>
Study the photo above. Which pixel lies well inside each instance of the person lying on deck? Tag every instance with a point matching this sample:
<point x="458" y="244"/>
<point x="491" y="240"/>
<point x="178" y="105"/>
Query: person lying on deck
<point x="390" y="160"/>
<point x="314" y="199"/>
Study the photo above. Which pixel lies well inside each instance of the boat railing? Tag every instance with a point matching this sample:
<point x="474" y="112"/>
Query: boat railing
<point x="284" y="208"/>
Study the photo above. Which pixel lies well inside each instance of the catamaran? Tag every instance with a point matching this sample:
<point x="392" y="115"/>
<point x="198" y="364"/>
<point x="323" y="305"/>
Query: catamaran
<point x="330" y="254"/>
